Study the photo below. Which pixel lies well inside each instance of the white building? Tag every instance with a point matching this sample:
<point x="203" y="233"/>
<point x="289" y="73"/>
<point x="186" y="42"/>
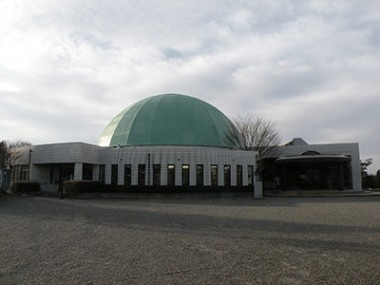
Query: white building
<point x="180" y="142"/>
<point x="301" y="166"/>
<point x="165" y="141"/>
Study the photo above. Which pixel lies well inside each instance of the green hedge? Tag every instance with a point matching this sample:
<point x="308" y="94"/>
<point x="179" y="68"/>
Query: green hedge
<point x="25" y="187"/>
<point x="83" y="186"/>
<point x="176" y="189"/>
<point x="87" y="186"/>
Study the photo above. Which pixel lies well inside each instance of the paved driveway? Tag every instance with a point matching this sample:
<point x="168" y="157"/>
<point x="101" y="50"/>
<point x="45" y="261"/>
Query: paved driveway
<point x="190" y="241"/>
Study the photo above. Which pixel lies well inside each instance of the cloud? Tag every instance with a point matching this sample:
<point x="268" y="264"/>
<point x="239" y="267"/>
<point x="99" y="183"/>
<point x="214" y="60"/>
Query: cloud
<point x="68" y="67"/>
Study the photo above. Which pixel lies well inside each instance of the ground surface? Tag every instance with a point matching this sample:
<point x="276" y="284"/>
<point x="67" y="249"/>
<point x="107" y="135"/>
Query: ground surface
<point x="190" y="241"/>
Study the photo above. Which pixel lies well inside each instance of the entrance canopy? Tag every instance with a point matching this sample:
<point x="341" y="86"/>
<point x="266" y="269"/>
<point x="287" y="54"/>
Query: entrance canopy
<point x="313" y="158"/>
<point x="314" y="171"/>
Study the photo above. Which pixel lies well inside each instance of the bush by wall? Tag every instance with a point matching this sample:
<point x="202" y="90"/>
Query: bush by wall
<point x="25" y="187"/>
<point x="83" y="186"/>
<point x="176" y="189"/>
<point x="87" y="186"/>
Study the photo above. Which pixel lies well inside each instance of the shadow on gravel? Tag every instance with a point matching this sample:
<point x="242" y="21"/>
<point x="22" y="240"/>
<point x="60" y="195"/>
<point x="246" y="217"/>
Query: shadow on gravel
<point x="317" y="245"/>
<point x="237" y="199"/>
<point x="111" y="214"/>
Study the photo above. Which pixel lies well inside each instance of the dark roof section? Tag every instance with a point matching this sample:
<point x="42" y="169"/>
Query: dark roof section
<point x="296" y="141"/>
<point x="313" y="158"/>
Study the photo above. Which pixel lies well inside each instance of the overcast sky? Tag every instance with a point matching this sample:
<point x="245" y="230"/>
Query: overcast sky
<point x="312" y="67"/>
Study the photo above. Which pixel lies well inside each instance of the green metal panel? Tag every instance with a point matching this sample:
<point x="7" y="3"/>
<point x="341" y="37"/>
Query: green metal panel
<point x="171" y="119"/>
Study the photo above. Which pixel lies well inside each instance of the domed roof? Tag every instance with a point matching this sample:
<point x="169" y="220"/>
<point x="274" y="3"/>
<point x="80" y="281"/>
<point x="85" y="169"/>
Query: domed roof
<point x="171" y="119"/>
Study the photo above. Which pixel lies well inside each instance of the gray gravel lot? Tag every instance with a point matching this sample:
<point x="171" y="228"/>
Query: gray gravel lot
<point x="332" y="240"/>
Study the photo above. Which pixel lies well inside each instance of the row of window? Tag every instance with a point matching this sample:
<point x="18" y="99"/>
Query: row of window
<point x="20" y="172"/>
<point x="171" y="174"/>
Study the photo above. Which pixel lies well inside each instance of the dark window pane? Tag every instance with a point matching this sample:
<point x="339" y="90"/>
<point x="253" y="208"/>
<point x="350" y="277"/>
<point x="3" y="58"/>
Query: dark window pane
<point x="185" y="175"/>
<point x="102" y="173"/>
<point x="171" y="174"/>
<point x="214" y="175"/>
<point x="199" y="174"/>
<point x="141" y="175"/>
<point x="250" y="175"/>
<point x="87" y="171"/>
<point x="114" y="173"/>
<point x="239" y="175"/>
<point x="227" y="175"/>
<point x="127" y="175"/>
<point x="156" y="174"/>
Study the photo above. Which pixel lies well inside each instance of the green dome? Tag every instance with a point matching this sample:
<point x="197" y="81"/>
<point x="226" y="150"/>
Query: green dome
<point x="171" y="119"/>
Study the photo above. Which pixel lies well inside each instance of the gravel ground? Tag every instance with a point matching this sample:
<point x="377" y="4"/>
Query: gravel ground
<point x="45" y="240"/>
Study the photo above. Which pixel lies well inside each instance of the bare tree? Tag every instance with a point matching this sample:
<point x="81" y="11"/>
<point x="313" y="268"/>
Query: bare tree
<point x="258" y="134"/>
<point x="11" y="152"/>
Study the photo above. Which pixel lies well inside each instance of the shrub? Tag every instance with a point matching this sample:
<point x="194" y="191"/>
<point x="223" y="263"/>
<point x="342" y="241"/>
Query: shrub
<point x="82" y="186"/>
<point x="88" y="186"/>
<point x="25" y="187"/>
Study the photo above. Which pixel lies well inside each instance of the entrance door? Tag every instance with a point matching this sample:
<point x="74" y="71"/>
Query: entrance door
<point x="65" y="173"/>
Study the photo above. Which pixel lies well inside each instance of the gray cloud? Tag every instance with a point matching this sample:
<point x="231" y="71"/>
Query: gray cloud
<point x="68" y="67"/>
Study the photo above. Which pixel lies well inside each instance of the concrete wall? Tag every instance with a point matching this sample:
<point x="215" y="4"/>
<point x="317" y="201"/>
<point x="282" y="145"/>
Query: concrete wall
<point x="47" y="157"/>
<point x="65" y="153"/>
<point x="178" y="156"/>
<point x="43" y="158"/>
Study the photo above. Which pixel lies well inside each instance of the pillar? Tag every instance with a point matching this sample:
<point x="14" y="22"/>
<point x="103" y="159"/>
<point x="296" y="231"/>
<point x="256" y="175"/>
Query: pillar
<point x="78" y="171"/>
<point x="108" y="173"/>
<point x="120" y="173"/>
<point x="257" y="188"/>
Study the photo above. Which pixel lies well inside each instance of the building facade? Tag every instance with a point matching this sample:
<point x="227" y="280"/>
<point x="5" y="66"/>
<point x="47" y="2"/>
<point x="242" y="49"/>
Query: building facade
<point x="177" y="141"/>
<point x="168" y="166"/>
<point x="301" y="166"/>
<point x="170" y="140"/>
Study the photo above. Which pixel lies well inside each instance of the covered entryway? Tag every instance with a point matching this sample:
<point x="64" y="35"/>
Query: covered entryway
<point x="66" y="172"/>
<point x="314" y="171"/>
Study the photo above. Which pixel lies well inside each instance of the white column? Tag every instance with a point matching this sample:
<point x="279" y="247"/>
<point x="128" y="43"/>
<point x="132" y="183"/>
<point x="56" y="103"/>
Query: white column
<point x="108" y="173"/>
<point x="193" y="174"/>
<point x="120" y="173"/>
<point x="78" y="171"/>
<point x="178" y="174"/>
<point x="220" y="174"/>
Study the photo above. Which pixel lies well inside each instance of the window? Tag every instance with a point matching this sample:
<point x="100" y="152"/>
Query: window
<point x="156" y="174"/>
<point x="87" y="171"/>
<point x="51" y="175"/>
<point x="66" y="172"/>
<point x="127" y="175"/>
<point x="250" y="175"/>
<point x="199" y="174"/>
<point x="214" y="175"/>
<point x="102" y="173"/>
<point x="24" y="172"/>
<point x="171" y="174"/>
<point x="227" y="175"/>
<point x="239" y="175"/>
<point x="141" y="175"/>
<point x="185" y="175"/>
<point x="114" y="173"/>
